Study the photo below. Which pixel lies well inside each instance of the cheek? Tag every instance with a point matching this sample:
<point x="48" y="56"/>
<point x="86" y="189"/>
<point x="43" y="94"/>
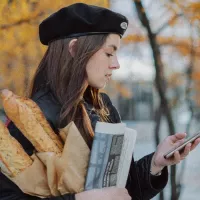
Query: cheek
<point x="95" y="73"/>
<point x="96" y="76"/>
<point x="97" y="67"/>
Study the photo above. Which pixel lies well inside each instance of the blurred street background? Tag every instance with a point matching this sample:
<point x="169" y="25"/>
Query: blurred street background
<point x="156" y="89"/>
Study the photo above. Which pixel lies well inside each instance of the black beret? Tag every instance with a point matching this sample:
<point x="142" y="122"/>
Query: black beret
<point x="81" y="19"/>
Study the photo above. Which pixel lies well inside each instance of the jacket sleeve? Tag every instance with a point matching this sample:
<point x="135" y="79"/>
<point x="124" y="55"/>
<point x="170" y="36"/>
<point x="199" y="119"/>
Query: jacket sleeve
<point x="141" y="185"/>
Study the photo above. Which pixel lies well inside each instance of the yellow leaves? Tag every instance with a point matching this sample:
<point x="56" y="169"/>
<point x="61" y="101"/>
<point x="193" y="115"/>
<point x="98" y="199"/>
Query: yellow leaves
<point x="123" y="90"/>
<point x="25" y="33"/>
<point x="176" y="79"/>
<point x="20" y="48"/>
<point x="182" y="45"/>
<point x="134" y="38"/>
<point x="173" y="21"/>
<point x="190" y="9"/>
<point x="103" y="3"/>
<point x="194" y="6"/>
<point x="49" y="6"/>
<point x="3" y="3"/>
<point x="9" y="13"/>
<point x="24" y="9"/>
<point x="195" y="10"/>
<point x="196" y="76"/>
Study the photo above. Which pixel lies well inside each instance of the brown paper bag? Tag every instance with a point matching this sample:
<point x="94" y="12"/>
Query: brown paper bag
<point x="52" y="175"/>
<point x="33" y="180"/>
<point x="72" y="166"/>
<point x="70" y="169"/>
<point x="49" y="159"/>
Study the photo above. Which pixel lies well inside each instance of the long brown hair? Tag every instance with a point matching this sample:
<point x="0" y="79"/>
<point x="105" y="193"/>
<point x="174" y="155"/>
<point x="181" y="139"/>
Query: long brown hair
<point x="66" y="77"/>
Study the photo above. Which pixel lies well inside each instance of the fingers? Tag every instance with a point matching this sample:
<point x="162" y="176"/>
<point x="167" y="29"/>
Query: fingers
<point x="123" y="194"/>
<point x="106" y="193"/>
<point x="186" y="151"/>
<point x="195" y="144"/>
<point x="178" y="136"/>
<point x="121" y="190"/>
<point x="127" y="196"/>
<point x="177" y="157"/>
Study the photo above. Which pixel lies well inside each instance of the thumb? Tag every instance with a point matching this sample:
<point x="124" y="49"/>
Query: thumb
<point x="178" y="136"/>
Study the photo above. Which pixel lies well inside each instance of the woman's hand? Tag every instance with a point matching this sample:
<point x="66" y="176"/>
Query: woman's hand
<point x="158" y="160"/>
<point x="109" y="193"/>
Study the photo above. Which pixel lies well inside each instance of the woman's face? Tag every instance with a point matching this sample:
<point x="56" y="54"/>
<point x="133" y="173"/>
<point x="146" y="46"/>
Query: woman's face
<point x="101" y="65"/>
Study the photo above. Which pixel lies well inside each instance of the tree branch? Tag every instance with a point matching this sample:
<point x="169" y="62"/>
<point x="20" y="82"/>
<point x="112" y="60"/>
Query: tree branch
<point x="168" y="22"/>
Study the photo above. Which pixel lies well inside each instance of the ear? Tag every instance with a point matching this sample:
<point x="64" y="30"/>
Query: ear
<point x="72" y="47"/>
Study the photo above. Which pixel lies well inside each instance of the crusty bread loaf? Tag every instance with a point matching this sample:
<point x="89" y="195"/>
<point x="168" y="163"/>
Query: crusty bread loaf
<point x="13" y="158"/>
<point x="41" y="118"/>
<point x="30" y="120"/>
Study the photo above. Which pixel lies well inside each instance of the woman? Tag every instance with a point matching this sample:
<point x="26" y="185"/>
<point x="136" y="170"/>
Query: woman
<point x="81" y="56"/>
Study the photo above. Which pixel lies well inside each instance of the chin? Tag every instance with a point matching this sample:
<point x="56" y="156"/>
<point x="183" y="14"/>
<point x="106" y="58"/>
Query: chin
<point x="102" y="86"/>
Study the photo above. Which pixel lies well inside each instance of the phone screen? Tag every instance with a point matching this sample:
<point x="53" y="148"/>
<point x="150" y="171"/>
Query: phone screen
<point x="181" y="147"/>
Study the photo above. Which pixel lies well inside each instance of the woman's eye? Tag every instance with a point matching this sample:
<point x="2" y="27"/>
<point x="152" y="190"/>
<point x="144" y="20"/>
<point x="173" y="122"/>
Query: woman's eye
<point x="109" y="55"/>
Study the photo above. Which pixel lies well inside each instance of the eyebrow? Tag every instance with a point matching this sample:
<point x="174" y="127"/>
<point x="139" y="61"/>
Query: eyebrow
<point x="113" y="46"/>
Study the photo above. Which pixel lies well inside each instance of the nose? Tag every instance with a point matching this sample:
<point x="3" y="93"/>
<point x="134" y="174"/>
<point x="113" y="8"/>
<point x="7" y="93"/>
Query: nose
<point x="114" y="64"/>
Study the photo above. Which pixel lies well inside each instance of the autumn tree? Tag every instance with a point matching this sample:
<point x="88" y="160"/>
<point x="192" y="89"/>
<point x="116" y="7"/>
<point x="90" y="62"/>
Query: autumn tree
<point x="20" y="48"/>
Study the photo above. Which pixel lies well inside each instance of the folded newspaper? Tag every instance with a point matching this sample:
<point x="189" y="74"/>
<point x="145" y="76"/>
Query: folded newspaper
<point x="111" y="155"/>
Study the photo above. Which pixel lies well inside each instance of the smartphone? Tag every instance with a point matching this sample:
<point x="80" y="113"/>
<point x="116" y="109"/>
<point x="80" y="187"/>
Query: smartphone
<point x="181" y="147"/>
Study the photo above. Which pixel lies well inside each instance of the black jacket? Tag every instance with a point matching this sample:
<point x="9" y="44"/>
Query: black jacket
<point x="141" y="185"/>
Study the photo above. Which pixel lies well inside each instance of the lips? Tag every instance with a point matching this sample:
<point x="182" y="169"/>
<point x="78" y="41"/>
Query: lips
<point x="108" y="76"/>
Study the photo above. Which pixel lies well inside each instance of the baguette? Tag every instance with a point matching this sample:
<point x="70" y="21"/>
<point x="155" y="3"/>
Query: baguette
<point x="30" y="120"/>
<point x="13" y="158"/>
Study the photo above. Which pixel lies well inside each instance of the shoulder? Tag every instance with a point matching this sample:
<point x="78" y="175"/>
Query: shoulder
<point x="106" y="99"/>
<point x="114" y="114"/>
<point x="48" y="105"/>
